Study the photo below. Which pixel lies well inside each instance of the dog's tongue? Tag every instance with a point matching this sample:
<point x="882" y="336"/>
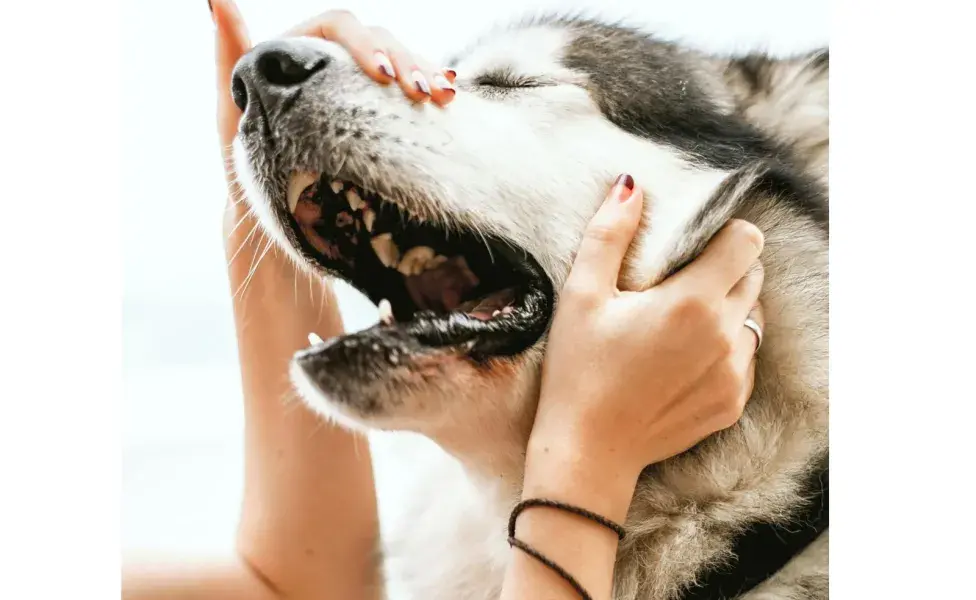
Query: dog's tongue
<point x="442" y="287"/>
<point x="487" y="307"/>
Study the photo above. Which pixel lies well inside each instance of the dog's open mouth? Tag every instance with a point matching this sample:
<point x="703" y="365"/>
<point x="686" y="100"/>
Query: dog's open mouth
<point x="440" y="288"/>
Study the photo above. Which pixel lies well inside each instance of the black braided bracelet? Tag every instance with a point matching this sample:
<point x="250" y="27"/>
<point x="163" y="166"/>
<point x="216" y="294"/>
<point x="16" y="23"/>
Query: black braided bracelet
<point x="582" y="512"/>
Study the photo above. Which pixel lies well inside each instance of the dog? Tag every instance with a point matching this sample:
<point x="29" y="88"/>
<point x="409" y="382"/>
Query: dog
<point x="461" y="224"/>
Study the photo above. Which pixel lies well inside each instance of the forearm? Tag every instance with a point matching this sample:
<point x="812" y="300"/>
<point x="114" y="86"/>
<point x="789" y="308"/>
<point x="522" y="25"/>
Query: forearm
<point x="309" y="521"/>
<point x="585" y="549"/>
<point x="219" y="579"/>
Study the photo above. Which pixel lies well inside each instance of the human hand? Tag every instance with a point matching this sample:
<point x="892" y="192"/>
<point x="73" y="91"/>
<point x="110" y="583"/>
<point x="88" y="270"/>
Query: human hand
<point x="633" y="378"/>
<point x="277" y="282"/>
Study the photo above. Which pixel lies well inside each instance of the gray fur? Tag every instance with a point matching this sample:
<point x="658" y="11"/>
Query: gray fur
<point x="709" y="138"/>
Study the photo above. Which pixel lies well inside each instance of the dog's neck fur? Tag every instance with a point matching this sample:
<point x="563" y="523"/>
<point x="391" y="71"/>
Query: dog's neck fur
<point x="494" y="458"/>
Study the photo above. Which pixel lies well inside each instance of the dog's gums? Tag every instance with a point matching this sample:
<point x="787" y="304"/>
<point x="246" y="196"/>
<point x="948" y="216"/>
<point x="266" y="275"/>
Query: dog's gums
<point x="440" y="287"/>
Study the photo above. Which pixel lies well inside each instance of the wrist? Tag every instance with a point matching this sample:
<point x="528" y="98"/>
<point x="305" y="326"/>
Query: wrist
<point x="590" y="480"/>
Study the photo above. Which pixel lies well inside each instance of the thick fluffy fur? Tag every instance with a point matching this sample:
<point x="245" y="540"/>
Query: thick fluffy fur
<point x="547" y="113"/>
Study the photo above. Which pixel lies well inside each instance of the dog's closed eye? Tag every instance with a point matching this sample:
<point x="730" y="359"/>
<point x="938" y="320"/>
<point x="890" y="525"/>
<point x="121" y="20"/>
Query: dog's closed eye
<point x="507" y="80"/>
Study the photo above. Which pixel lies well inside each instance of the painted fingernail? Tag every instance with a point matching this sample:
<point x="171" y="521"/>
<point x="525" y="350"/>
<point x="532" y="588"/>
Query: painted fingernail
<point x="384" y="65"/>
<point x="420" y="82"/>
<point x="451" y="74"/>
<point x="442" y="82"/>
<point x="623" y="187"/>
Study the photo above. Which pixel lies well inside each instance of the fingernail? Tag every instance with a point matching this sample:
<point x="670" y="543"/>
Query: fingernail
<point x="420" y="82"/>
<point x="384" y="64"/>
<point x="451" y="74"/>
<point x="622" y="187"/>
<point x="442" y="82"/>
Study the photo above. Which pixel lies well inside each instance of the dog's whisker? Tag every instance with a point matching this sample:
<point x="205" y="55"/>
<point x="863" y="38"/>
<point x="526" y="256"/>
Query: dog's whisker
<point x="243" y="243"/>
<point x="242" y="290"/>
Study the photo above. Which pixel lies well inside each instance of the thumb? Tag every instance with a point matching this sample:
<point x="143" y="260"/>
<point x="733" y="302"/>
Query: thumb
<point x="607" y="237"/>
<point x="231" y="44"/>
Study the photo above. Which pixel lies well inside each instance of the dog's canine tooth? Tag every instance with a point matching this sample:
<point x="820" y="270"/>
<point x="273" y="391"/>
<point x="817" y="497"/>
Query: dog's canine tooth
<point x="386" y="249"/>
<point x="336" y="186"/>
<point x="386" y="312"/>
<point x="369" y="217"/>
<point x="314" y="339"/>
<point x="297" y="185"/>
<point x="355" y="202"/>
<point x="495" y="314"/>
<point x="415" y="260"/>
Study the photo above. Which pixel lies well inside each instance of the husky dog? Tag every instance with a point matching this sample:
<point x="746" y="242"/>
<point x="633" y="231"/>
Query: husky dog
<point x="461" y="225"/>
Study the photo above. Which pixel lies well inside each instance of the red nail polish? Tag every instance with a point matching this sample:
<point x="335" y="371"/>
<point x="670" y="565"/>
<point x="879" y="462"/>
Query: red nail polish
<point x="622" y="188"/>
<point x="625" y="180"/>
<point x="451" y="73"/>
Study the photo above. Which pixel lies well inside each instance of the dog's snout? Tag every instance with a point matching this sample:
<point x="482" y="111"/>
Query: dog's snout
<point x="273" y="69"/>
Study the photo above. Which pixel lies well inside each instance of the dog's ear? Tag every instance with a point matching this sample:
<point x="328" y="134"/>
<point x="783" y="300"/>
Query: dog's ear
<point x="788" y="97"/>
<point x="675" y="103"/>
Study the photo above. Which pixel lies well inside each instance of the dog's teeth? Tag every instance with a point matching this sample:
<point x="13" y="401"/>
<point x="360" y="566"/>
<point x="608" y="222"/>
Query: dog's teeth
<point x="415" y="260"/>
<point x="386" y="312"/>
<point x="314" y="339"/>
<point x="336" y="186"/>
<point x="297" y="185"/>
<point x="495" y="314"/>
<point x="369" y="217"/>
<point x="355" y="202"/>
<point x="386" y="249"/>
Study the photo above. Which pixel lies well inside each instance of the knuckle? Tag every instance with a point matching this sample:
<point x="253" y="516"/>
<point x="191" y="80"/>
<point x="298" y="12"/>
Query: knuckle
<point x="724" y="345"/>
<point x="381" y="33"/>
<point x="603" y="233"/>
<point x="729" y="419"/>
<point x="338" y="14"/>
<point x="729" y="400"/>
<point x="747" y="232"/>
<point x="332" y="21"/>
<point x="694" y="310"/>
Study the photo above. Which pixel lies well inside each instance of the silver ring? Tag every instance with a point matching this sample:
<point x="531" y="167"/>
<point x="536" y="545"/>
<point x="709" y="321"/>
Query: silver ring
<point x="756" y="329"/>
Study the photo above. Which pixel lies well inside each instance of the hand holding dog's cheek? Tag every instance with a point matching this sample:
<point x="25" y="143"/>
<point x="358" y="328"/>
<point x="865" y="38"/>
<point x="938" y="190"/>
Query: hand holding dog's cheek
<point x="633" y="378"/>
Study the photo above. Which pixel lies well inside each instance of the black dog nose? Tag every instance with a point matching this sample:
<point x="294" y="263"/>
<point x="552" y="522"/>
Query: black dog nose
<point x="272" y="69"/>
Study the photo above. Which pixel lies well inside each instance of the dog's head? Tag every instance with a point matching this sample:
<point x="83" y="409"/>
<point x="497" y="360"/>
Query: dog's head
<point x="462" y="222"/>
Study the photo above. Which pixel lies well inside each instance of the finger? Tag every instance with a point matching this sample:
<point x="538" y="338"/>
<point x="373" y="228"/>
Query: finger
<point x="744" y="295"/>
<point x="744" y="362"/>
<point x="415" y="83"/>
<point x="341" y="27"/>
<point x="442" y="90"/>
<point x="607" y="237"/>
<point x="756" y="314"/>
<point x="231" y="44"/>
<point x="725" y="260"/>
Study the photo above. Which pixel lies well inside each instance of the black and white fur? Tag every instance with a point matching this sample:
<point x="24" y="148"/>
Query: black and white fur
<point x="547" y="113"/>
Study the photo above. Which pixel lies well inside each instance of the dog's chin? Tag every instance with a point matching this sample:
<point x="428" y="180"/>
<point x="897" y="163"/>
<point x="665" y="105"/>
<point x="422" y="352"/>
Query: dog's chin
<point x="382" y="379"/>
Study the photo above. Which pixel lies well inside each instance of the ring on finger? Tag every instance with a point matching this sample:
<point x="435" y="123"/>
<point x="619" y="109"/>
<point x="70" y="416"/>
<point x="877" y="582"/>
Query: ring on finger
<point x="756" y="329"/>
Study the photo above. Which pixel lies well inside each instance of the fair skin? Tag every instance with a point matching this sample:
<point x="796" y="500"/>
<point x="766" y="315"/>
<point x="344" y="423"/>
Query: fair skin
<point x="595" y="427"/>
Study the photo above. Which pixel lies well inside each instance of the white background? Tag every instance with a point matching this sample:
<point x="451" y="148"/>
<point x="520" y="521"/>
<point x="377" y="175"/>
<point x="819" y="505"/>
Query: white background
<point x="902" y="215"/>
